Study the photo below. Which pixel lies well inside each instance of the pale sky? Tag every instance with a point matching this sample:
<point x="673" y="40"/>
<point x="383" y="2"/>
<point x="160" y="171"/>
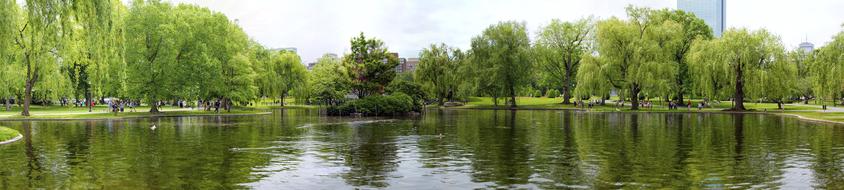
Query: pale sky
<point x="316" y="27"/>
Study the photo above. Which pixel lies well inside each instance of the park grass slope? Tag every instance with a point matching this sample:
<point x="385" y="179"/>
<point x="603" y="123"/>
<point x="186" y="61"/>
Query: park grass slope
<point x="8" y="134"/>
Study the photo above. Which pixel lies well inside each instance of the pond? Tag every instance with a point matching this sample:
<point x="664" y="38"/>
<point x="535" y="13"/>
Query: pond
<point x="455" y="149"/>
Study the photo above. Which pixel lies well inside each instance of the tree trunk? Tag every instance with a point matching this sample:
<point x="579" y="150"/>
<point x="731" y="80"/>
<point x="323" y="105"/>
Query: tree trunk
<point x="512" y="96"/>
<point x="228" y="104"/>
<point x="88" y="101"/>
<point x="739" y="95"/>
<point x="779" y="104"/>
<point x="634" y="97"/>
<point x="154" y="107"/>
<point x="281" y="102"/>
<point x="567" y="87"/>
<point x="8" y="105"/>
<point x="27" y="97"/>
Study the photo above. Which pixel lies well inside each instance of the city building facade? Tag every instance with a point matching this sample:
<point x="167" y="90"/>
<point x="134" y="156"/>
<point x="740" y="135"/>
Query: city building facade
<point x="711" y="11"/>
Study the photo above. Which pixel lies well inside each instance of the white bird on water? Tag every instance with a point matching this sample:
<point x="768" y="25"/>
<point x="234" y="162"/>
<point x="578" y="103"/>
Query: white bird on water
<point x="153" y="127"/>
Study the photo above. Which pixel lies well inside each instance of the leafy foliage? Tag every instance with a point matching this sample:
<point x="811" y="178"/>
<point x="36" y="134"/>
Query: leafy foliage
<point x="558" y="51"/>
<point x="437" y="70"/>
<point x="381" y="105"/>
<point x="739" y="64"/>
<point x="633" y="57"/>
<point x="370" y="66"/>
<point x="500" y="60"/>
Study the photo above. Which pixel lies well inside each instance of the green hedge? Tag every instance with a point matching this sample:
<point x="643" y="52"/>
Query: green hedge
<point x="553" y="93"/>
<point x="387" y="105"/>
<point x="7" y="134"/>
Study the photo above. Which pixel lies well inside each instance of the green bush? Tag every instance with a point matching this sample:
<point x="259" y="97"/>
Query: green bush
<point x="553" y="93"/>
<point x="388" y="105"/>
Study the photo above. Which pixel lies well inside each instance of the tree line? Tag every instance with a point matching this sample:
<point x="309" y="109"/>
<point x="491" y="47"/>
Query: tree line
<point x="654" y="53"/>
<point x="150" y="52"/>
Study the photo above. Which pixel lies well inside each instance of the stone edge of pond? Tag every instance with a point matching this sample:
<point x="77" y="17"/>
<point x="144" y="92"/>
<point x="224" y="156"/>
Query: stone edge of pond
<point x="132" y="117"/>
<point x="19" y="137"/>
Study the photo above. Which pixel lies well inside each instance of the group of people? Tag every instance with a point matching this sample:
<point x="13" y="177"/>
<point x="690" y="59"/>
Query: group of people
<point x="119" y="105"/>
<point x="590" y="104"/>
<point x="209" y="104"/>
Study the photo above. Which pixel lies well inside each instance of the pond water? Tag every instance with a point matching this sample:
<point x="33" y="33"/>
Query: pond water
<point x="450" y="149"/>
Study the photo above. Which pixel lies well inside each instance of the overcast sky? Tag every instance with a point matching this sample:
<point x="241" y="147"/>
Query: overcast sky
<point x="316" y="27"/>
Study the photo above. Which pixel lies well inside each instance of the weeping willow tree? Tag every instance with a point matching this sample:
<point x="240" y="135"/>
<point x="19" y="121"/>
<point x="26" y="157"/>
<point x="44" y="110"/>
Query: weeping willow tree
<point x="89" y="45"/>
<point x="37" y="37"/>
<point x="827" y="69"/>
<point x="10" y="77"/>
<point x="742" y="64"/>
<point x="634" y="57"/>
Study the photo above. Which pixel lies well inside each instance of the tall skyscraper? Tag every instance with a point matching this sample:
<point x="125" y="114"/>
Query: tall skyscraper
<point x="711" y="11"/>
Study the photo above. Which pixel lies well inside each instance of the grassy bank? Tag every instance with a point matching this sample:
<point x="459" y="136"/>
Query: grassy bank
<point x="659" y="105"/>
<point x="7" y="134"/>
<point x="810" y="112"/>
<point x="102" y="112"/>
<point x="837" y="117"/>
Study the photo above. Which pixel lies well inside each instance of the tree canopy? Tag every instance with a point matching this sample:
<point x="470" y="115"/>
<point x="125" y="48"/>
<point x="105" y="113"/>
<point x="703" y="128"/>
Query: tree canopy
<point x="501" y="60"/>
<point x="634" y="56"/>
<point x="738" y="63"/>
<point x="558" y="51"/>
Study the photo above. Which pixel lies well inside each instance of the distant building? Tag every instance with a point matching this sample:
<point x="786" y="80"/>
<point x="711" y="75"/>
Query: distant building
<point x="410" y="65"/>
<point x="311" y="65"/>
<point x="711" y="11"/>
<point x="407" y="65"/>
<point x="290" y="49"/>
<point x="807" y="47"/>
<point x="400" y="67"/>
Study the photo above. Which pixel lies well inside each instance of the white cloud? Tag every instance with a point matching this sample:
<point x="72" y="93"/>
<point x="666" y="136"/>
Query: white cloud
<point x="316" y="27"/>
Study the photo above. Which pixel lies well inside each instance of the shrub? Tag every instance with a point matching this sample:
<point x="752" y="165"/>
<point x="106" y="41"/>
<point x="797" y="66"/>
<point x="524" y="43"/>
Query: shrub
<point x="553" y="93"/>
<point x="394" y="104"/>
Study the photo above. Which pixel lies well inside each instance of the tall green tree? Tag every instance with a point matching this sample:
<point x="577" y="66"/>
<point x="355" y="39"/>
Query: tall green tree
<point x="693" y="28"/>
<point x="370" y="65"/>
<point x="37" y="38"/>
<point x="438" y="70"/>
<point x="559" y="48"/>
<point x="827" y="68"/>
<point x="500" y="58"/>
<point x="736" y="64"/>
<point x="88" y="46"/>
<point x="330" y="80"/>
<point x="284" y="73"/>
<point x="10" y="78"/>
<point x="633" y="56"/>
<point x="802" y="60"/>
<point x="151" y="52"/>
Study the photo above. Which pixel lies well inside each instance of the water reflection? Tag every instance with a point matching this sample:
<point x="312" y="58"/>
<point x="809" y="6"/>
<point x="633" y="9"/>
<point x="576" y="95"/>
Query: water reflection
<point x="439" y="150"/>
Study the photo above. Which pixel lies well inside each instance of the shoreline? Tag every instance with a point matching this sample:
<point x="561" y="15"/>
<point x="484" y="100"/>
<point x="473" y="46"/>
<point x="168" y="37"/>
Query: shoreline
<point x="784" y="114"/>
<point x="19" y="137"/>
<point x="148" y="115"/>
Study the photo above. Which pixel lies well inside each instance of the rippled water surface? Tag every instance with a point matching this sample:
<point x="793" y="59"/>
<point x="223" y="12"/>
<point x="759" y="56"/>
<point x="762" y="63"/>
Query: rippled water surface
<point x="452" y="149"/>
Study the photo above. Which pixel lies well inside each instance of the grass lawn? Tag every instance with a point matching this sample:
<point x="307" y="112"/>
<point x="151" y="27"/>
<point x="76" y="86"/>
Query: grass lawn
<point x="7" y="133"/>
<point x="659" y="105"/>
<point x="102" y="112"/>
<point x="828" y="116"/>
